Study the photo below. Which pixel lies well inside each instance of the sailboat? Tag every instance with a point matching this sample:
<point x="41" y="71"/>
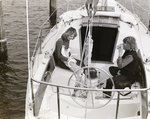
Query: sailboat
<point x="50" y="88"/>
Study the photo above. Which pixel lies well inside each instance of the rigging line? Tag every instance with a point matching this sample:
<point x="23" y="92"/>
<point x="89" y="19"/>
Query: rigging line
<point x="54" y="12"/>
<point x="87" y="38"/>
<point x="76" y="6"/>
<point x="68" y="5"/>
<point x="141" y="7"/>
<point x="43" y="15"/>
<point x="89" y="48"/>
<point x="87" y="28"/>
<point x="81" y="3"/>
<point x="85" y="41"/>
<point x="90" y="39"/>
<point x="139" y="33"/>
<point x="132" y="7"/>
<point x="28" y="44"/>
<point x="32" y="21"/>
<point x="34" y="51"/>
<point x="144" y="10"/>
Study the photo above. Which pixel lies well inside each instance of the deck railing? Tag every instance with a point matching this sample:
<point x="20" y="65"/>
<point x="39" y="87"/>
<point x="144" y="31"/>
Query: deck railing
<point x="144" y="90"/>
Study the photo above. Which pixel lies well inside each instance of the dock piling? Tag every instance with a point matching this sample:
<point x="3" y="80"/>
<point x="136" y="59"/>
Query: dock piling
<point x="3" y="40"/>
<point x="52" y="12"/>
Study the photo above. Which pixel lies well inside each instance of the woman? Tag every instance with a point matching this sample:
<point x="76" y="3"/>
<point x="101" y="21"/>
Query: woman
<point x="63" y="57"/>
<point x="127" y="71"/>
<point x="62" y="53"/>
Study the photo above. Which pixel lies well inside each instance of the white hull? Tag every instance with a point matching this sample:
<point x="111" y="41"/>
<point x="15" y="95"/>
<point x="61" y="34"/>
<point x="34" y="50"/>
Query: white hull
<point x="43" y="102"/>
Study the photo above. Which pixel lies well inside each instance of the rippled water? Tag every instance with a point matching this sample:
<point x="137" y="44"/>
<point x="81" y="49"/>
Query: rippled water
<point x="14" y="71"/>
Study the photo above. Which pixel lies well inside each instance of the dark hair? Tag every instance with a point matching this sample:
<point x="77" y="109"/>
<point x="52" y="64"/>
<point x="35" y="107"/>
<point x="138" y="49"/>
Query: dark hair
<point x="69" y="32"/>
<point x="131" y="41"/>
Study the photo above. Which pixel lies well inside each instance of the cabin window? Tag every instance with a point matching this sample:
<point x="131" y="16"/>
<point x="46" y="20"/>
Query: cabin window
<point x="104" y="39"/>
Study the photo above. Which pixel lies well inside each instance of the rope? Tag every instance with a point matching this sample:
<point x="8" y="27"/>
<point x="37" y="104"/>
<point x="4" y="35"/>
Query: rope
<point x="87" y="40"/>
<point x="84" y="45"/>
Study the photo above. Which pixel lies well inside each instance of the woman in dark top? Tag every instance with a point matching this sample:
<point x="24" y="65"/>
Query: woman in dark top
<point x="126" y="72"/>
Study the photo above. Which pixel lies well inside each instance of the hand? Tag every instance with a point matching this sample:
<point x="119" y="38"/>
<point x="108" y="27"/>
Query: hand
<point x="71" y="61"/>
<point x="120" y="49"/>
<point x="120" y="46"/>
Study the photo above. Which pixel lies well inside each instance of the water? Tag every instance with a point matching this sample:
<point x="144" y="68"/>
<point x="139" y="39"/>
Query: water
<point x="14" y="71"/>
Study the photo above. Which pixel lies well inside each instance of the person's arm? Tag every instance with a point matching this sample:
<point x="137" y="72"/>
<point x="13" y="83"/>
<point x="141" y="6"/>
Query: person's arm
<point x="124" y="62"/>
<point x="59" y="47"/>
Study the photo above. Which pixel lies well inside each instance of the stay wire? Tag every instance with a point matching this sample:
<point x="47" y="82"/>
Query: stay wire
<point x="28" y="42"/>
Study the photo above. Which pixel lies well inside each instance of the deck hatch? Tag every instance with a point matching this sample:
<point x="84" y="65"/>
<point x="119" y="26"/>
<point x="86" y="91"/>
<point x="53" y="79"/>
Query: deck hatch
<point x="104" y="39"/>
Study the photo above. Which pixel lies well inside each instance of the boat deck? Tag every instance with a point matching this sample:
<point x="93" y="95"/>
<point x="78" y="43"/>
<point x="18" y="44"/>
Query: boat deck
<point x="76" y="107"/>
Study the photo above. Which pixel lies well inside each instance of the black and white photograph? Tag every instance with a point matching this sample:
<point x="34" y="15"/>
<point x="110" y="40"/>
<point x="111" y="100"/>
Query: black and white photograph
<point x="74" y="59"/>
